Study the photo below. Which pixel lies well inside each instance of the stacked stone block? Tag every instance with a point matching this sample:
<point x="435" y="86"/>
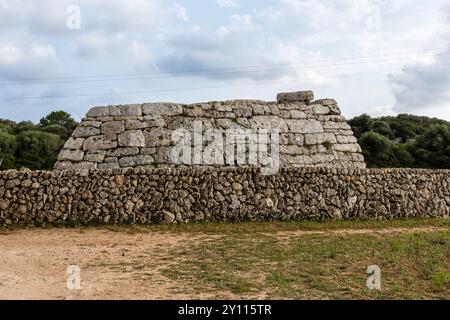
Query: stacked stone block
<point x="312" y="133"/>
<point x="150" y="195"/>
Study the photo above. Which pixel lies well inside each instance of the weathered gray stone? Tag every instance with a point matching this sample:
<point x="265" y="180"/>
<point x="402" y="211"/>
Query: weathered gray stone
<point x="169" y="217"/>
<point x="261" y="109"/>
<point x="121" y="152"/>
<point x="157" y="137"/>
<point x="98" y="112"/>
<point x="74" y="143"/>
<point x="320" y="109"/>
<point x="243" y="112"/>
<point x="85" y="132"/>
<point x="132" y="138"/>
<point x="139" y="160"/>
<point x="71" y="155"/>
<point x="168" y="194"/>
<point x="95" y="156"/>
<point x="307" y="128"/>
<point x="193" y="111"/>
<point x="351" y="147"/>
<point x="136" y="124"/>
<point x="85" y="165"/>
<point x="162" y="109"/>
<point x="297" y="114"/>
<point x="269" y="123"/>
<point x="322" y="158"/>
<point x="346" y="139"/>
<point x="113" y="127"/>
<point x="304" y="126"/>
<point x="299" y="96"/>
<point x="152" y="121"/>
<point x="147" y="151"/>
<point x="91" y="123"/>
<point x="325" y="102"/>
<point x="319" y="138"/>
<point x="108" y="166"/>
<point x="126" y="110"/>
<point x="292" y="149"/>
<point x="98" y="143"/>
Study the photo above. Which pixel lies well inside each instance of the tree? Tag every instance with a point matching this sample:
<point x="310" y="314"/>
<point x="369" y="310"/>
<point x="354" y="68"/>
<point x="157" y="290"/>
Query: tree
<point x="433" y="147"/>
<point x="361" y="125"/>
<point x="37" y="150"/>
<point x="382" y="127"/>
<point x="56" y="120"/>
<point x="8" y="147"/>
<point x="377" y="150"/>
<point x="405" y="130"/>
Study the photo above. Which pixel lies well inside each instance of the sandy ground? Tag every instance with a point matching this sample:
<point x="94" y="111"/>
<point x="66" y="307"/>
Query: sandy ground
<point x="114" y="265"/>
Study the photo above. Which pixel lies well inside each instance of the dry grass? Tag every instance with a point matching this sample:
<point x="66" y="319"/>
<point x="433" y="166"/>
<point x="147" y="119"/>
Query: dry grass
<point x="280" y="260"/>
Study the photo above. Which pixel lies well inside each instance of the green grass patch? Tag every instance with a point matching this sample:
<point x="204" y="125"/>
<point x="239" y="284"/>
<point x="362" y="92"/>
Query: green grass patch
<point x="413" y="266"/>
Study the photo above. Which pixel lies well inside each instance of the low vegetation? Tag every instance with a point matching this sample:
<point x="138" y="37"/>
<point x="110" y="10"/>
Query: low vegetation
<point x="403" y="141"/>
<point x="34" y="146"/>
<point x="308" y="260"/>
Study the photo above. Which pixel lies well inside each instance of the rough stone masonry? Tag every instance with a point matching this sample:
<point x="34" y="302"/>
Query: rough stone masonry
<point x="154" y="195"/>
<point x="312" y="132"/>
<point x="115" y="169"/>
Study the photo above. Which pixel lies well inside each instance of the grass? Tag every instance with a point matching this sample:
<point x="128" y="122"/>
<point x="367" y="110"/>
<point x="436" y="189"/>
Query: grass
<point x="413" y="266"/>
<point x="282" y="260"/>
<point x="278" y="226"/>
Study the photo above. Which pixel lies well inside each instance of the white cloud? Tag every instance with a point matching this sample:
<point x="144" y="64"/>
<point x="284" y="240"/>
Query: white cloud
<point x="238" y="23"/>
<point x="181" y="12"/>
<point x="43" y="51"/>
<point x="227" y="3"/>
<point x="50" y="16"/>
<point x="10" y="54"/>
<point x="21" y="60"/>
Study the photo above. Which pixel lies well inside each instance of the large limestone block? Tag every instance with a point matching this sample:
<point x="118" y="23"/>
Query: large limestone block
<point x="320" y="109"/>
<point x="319" y="138"/>
<point x="98" y="112"/>
<point x="304" y="126"/>
<point x="85" y="132"/>
<point x="157" y="137"/>
<point x="162" y="109"/>
<point x="113" y="127"/>
<point x="71" y="155"/>
<point x="131" y="138"/>
<point x="269" y="123"/>
<point x="348" y="147"/>
<point x="98" y="143"/>
<point x="74" y="143"/>
<point x="300" y="96"/>
<point x="126" y="110"/>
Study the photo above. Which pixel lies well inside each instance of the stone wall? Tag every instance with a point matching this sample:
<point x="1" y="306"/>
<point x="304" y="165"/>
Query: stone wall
<point x="312" y="133"/>
<point x="152" y="195"/>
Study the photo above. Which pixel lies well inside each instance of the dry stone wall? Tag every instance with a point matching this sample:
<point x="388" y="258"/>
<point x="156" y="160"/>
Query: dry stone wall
<point x="312" y="133"/>
<point x="152" y="195"/>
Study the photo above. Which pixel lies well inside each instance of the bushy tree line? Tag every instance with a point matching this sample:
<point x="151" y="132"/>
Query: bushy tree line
<point x="34" y="146"/>
<point x="403" y="141"/>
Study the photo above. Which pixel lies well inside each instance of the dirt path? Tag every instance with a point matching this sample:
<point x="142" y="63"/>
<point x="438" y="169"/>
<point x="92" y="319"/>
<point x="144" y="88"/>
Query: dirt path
<point x="114" y="265"/>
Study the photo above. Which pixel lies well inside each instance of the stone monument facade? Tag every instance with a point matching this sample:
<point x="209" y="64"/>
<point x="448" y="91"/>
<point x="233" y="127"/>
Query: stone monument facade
<point x="312" y="133"/>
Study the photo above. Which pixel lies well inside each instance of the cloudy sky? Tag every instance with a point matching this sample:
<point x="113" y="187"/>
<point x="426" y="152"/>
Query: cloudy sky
<point x="374" y="56"/>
